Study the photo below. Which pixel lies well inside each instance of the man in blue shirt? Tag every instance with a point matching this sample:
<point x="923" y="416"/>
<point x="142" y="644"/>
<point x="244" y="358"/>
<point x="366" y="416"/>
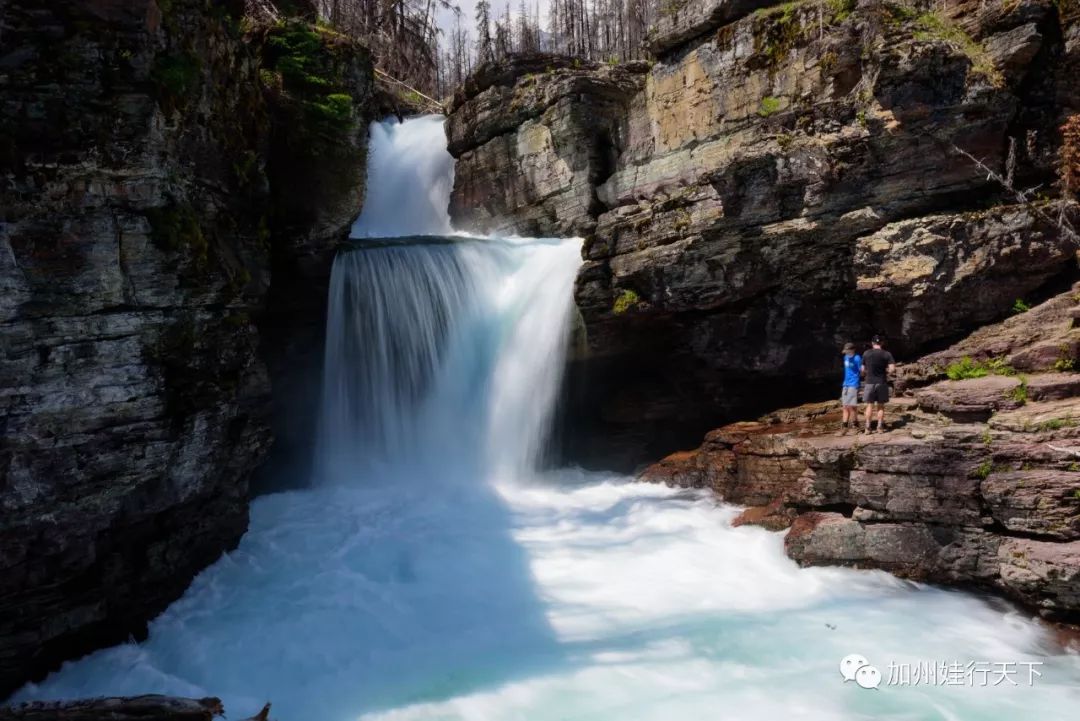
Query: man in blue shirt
<point x="849" y="393"/>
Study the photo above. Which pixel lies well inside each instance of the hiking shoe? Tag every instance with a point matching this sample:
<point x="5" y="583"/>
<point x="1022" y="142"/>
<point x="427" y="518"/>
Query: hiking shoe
<point x="880" y="429"/>
<point x="843" y="431"/>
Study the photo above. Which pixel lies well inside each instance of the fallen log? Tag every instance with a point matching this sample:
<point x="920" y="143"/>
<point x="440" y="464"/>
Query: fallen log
<point x="143" y="708"/>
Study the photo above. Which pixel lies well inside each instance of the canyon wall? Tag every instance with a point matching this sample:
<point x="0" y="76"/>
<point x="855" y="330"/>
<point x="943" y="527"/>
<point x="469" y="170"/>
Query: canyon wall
<point x="782" y="178"/>
<point x="161" y="162"/>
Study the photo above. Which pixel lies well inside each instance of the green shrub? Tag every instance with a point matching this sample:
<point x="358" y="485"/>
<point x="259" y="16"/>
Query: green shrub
<point x="303" y="57"/>
<point x="983" y="470"/>
<point x="999" y="367"/>
<point x="966" y="368"/>
<point x="335" y="109"/>
<point x="1020" y="306"/>
<point x="1020" y="392"/>
<point x="1056" y="424"/>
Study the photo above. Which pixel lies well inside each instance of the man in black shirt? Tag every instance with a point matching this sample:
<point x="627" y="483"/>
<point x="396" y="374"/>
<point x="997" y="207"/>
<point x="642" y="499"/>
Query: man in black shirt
<point x="877" y="365"/>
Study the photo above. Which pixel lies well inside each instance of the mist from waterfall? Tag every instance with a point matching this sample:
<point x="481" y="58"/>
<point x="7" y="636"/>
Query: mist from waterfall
<point x="431" y="572"/>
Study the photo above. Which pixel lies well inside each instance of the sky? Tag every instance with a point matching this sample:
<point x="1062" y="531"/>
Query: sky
<point x="498" y="9"/>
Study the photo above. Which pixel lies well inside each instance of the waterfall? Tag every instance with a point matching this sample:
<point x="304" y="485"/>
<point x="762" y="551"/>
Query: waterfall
<point x="410" y="174"/>
<point x="432" y="573"/>
<point x="442" y="350"/>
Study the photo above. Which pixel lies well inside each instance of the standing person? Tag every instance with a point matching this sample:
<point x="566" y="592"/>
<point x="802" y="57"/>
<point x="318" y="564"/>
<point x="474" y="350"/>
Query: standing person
<point x="849" y="391"/>
<point x="877" y="364"/>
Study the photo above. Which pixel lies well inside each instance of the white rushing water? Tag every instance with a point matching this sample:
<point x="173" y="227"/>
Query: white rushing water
<point x="431" y="573"/>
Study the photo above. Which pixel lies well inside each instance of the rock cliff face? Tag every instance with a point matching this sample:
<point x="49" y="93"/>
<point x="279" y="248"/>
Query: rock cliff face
<point x="533" y="139"/>
<point x="977" y="482"/>
<point x="784" y="178"/>
<point x="140" y="157"/>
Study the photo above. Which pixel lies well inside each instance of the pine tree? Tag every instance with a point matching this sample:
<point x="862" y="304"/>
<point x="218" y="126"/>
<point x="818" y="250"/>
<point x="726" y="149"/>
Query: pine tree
<point x="484" y="47"/>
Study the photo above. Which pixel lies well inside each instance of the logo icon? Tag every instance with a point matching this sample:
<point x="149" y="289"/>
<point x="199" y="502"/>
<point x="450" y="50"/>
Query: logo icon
<point x="857" y="668"/>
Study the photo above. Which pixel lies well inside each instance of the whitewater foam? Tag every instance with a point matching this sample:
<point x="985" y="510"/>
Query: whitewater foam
<point x="433" y="574"/>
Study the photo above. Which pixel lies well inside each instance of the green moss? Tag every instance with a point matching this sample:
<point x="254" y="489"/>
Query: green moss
<point x="626" y="300"/>
<point x="1019" y="306"/>
<point x="176" y="228"/>
<point x="176" y="78"/>
<point x="840" y="9"/>
<point x="932" y="26"/>
<point x="779" y="32"/>
<point x="769" y="106"/>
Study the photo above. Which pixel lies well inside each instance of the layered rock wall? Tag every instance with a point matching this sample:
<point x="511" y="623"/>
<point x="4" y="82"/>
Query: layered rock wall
<point x="789" y="177"/>
<point x="138" y="147"/>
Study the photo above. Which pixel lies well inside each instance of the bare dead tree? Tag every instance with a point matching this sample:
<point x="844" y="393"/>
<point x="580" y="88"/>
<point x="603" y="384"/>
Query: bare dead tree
<point x="1027" y="196"/>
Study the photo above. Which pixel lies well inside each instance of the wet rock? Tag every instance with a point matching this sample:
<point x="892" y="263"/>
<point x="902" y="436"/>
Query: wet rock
<point x="829" y="538"/>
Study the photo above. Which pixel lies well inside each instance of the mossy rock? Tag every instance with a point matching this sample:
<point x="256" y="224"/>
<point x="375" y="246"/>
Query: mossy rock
<point x="175" y="228"/>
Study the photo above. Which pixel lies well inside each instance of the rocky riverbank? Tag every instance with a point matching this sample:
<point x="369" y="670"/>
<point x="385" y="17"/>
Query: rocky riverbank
<point x="782" y="178"/>
<point x="158" y="172"/>
<point x="977" y="481"/>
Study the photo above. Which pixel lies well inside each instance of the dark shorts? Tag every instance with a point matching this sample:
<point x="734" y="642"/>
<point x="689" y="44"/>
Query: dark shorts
<point x="876" y="393"/>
